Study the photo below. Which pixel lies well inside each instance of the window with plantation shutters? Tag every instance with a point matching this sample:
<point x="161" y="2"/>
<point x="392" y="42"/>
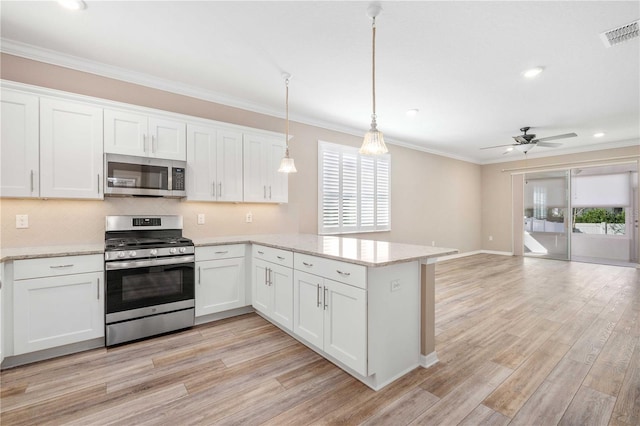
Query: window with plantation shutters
<point x="353" y="190"/>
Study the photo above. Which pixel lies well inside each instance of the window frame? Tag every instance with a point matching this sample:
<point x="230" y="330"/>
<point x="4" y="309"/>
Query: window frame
<point x="372" y="176"/>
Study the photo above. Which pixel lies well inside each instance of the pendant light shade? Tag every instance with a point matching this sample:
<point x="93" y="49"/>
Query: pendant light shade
<point x="287" y="165"/>
<point x="373" y="143"/>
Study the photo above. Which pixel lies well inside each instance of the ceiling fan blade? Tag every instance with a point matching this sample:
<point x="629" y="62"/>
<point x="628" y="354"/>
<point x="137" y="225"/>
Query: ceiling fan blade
<point x="499" y="146"/>
<point x="552" y="138"/>
<point x="549" y="144"/>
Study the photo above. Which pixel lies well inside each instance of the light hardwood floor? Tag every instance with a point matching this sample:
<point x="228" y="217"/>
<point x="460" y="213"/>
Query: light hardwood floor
<point x="521" y="341"/>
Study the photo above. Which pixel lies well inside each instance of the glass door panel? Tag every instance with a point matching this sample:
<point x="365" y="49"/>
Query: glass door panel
<point x="546" y="215"/>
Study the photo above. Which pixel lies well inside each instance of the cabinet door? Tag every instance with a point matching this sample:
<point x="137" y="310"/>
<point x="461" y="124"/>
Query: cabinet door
<point x="281" y="283"/>
<point x="168" y="139"/>
<point x="70" y="150"/>
<point x="308" y="311"/>
<point x="125" y="133"/>
<point x="229" y="166"/>
<point x="278" y="182"/>
<point x="202" y="159"/>
<point x="261" y="290"/>
<point x="19" y="165"/>
<point x="255" y="184"/>
<point x="56" y="311"/>
<point x="345" y="324"/>
<point x="220" y="285"/>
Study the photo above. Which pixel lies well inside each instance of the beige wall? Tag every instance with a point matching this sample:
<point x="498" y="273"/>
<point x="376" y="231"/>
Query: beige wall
<point x="496" y="189"/>
<point x="433" y="198"/>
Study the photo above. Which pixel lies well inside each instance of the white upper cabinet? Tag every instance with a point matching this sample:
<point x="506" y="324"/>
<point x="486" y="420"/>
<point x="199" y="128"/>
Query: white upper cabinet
<point x="131" y="133"/>
<point x="71" y="149"/>
<point x="19" y="163"/>
<point x="262" y="181"/>
<point x="214" y="164"/>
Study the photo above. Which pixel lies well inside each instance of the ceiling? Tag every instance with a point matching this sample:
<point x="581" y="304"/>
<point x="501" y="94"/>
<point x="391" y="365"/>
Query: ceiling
<point x="459" y="63"/>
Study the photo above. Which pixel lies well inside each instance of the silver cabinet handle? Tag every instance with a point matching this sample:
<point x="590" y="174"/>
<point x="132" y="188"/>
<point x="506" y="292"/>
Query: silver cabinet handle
<point x="98" y="183"/>
<point x="199" y="275"/>
<point x="280" y="257"/>
<point x="61" y="266"/>
<point x="264" y="190"/>
<point x="220" y="189"/>
<point x="153" y="144"/>
<point x="345" y="274"/>
<point x="213" y="185"/>
<point x="308" y="265"/>
<point x="266" y="281"/>
<point x="269" y="191"/>
<point x="222" y="252"/>
<point x="318" y="296"/>
<point x="98" y="289"/>
<point x="260" y="252"/>
<point x="326" y="305"/>
<point x="144" y="143"/>
<point x="270" y="277"/>
<point x="31" y="180"/>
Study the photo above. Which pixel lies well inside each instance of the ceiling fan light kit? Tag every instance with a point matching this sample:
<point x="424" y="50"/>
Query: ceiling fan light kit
<point x="373" y="143"/>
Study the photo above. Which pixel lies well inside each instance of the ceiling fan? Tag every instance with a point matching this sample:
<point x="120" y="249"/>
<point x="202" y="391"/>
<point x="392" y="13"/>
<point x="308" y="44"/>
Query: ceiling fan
<point x="525" y="142"/>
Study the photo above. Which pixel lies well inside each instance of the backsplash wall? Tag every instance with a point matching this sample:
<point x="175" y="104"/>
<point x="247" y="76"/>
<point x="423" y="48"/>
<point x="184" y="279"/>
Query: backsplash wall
<point x="69" y="222"/>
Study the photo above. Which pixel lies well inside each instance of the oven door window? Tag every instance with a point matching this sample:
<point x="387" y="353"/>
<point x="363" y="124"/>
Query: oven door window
<point x="141" y="287"/>
<point x="141" y="176"/>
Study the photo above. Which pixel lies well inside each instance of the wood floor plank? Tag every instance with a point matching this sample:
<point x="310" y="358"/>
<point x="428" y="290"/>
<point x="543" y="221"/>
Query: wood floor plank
<point x="589" y="407"/>
<point x="570" y="330"/>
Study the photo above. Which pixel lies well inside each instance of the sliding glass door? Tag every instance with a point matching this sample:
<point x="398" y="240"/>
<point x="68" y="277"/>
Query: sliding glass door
<point x="546" y="215"/>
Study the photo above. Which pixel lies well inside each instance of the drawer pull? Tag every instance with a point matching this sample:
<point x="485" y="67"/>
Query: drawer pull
<point x="280" y="257"/>
<point x="308" y="265"/>
<point x="344" y="274"/>
<point x="98" y="289"/>
<point x="260" y="252"/>
<point x="222" y="252"/>
<point x="318" y="296"/>
<point x="326" y="299"/>
<point x="70" y="265"/>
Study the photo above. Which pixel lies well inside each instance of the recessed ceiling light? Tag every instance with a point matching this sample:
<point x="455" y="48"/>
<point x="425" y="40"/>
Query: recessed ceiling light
<point x="533" y="72"/>
<point x="598" y="135"/>
<point x="72" y="4"/>
<point x="412" y="112"/>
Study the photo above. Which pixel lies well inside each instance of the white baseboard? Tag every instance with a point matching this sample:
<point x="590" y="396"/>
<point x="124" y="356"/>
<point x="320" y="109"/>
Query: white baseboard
<point x="427" y="361"/>
<point x="471" y="253"/>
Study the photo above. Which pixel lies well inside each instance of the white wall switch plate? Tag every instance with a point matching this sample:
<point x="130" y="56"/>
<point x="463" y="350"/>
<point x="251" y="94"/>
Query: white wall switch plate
<point x="395" y="285"/>
<point x="200" y="218"/>
<point x="249" y="218"/>
<point x="22" y="221"/>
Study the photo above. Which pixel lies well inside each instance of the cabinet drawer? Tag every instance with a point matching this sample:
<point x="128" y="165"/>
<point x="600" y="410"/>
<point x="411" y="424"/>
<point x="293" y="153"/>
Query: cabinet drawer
<point x="273" y="255"/>
<point x="220" y="252"/>
<point x="344" y="272"/>
<point x="55" y="266"/>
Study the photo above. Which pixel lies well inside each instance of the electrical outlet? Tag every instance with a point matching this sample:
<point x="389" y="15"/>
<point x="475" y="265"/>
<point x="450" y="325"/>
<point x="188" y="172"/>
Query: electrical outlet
<point x="22" y="221"/>
<point x="200" y="218"/>
<point x="248" y="218"/>
<point x="395" y="285"/>
<point x="490" y="237"/>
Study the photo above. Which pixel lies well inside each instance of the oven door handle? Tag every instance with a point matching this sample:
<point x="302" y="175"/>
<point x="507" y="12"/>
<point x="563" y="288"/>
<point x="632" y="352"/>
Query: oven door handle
<point x="131" y="264"/>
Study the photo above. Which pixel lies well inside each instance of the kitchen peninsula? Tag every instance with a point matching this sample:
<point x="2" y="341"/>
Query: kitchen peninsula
<point x="368" y="306"/>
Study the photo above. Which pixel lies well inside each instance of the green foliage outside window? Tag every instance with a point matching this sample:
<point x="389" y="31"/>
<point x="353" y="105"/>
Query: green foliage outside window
<point x="599" y="215"/>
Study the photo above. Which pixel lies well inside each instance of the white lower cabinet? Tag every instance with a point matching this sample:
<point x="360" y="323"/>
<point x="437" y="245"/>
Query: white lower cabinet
<point x="59" y="309"/>
<point x="273" y="291"/>
<point x="332" y="316"/>
<point x="220" y="280"/>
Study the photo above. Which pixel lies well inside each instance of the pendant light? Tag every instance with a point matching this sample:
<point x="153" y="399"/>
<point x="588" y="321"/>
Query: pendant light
<point x="373" y="143"/>
<point x="287" y="165"/>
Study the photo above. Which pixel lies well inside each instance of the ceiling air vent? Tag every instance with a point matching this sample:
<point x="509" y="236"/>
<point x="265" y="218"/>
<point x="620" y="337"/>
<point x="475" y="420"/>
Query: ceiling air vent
<point x="620" y="34"/>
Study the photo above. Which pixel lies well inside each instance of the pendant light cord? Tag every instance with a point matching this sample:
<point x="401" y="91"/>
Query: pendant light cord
<point x="373" y="59"/>
<point x="287" y="115"/>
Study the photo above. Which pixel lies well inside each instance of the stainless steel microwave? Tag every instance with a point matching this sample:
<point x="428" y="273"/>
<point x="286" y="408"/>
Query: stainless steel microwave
<point x="127" y="175"/>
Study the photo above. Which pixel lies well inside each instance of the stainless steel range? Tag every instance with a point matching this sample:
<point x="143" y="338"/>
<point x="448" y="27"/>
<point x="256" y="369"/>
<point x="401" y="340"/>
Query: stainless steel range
<point x="150" y="285"/>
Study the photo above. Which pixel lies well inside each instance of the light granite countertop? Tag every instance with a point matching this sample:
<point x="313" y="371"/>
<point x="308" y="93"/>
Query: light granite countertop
<point x="352" y="250"/>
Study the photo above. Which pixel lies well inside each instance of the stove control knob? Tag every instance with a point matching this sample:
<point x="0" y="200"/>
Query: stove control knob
<point x="183" y="249"/>
<point x="173" y="250"/>
<point x="132" y="254"/>
<point x="153" y="252"/>
<point x="121" y="254"/>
